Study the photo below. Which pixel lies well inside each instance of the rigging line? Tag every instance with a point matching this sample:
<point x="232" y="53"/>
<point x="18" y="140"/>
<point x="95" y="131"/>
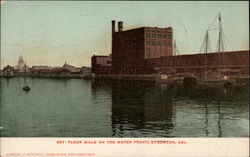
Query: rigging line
<point x="220" y="46"/>
<point x="213" y="21"/>
<point x="223" y="58"/>
<point x="228" y="40"/>
<point x="237" y="56"/>
<point x="225" y="44"/>
<point x="177" y="50"/>
<point x="217" y="46"/>
<point x="203" y="44"/>
<point x="214" y="28"/>
<point x="223" y="50"/>
<point x="209" y="45"/>
<point x="207" y="42"/>
<point x="183" y="26"/>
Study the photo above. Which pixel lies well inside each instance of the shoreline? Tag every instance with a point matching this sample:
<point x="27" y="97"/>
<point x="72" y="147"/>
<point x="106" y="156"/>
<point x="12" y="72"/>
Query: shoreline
<point x="155" y="78"/>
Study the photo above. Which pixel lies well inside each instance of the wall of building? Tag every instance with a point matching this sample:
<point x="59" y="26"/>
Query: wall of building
<point x="131" y="47"/>
<point x="196" y="63"/>
<point x="149" y="50"/>
<point x="128" y="51"/>
<point x="158" y="42"/>
<point x="101" y="64"/>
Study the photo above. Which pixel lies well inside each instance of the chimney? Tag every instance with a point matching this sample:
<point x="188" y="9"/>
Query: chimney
<point x="120" y="26"/>
<point x="113" y="27"/>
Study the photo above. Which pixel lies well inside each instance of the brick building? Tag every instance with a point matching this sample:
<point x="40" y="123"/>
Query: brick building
<point x="101" y="64"/>
<point x="131" y="47"/>
<point x="220" y="62"/>
<point x="148" y="50"/>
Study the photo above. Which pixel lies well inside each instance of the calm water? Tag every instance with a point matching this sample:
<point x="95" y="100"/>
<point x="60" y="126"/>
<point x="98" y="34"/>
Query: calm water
<point x="82" y="108"/>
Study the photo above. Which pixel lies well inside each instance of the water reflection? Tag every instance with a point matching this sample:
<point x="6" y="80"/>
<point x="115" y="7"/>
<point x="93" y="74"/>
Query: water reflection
<point x="137" y="106"/>
<point x="143" y="109"/>
<point x="83" y="108"/>
<point x="206" y="118"/>
<point x="219" y="120"/>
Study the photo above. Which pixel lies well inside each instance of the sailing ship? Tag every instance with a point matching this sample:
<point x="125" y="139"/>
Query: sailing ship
<point x="220" y="80"/>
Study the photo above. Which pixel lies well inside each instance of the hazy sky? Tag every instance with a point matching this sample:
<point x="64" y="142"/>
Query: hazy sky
<point x="48" y="33"/>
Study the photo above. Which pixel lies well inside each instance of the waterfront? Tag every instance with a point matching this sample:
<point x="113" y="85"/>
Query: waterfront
<point x="95" y="108"/>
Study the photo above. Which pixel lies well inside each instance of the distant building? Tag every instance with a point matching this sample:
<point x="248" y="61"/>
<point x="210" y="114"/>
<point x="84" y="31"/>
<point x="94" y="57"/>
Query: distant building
<point x="20" y="63"/>
<point x="40" y="67"/>
<point x="75" y="71"/>
<point x="37" y="69"/>
<point x="49" y="71"/>
<point x="131" y="47"/>
<point x="59" y="71"/>
<point x="69" y="67"/>
<point x="101" y="64"/>
<point x="85" y="70"/>
<point x="21" y="66"/>
<point x="8" y="70"/>
<point x="81" y="71"/>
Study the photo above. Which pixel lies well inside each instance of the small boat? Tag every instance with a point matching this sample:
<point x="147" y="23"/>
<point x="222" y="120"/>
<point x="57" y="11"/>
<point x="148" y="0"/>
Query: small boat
<point x="214" y="83"/>
<point x="26" y="88"/>
<point x="191" y="82"/>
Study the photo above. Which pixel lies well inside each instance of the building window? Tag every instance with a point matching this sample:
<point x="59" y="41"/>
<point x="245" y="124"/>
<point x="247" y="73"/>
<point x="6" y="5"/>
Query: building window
<point x="154" y="43"/>
<point x="164" y="35"/>
<point x="153" y="35"/>
<point x="148" y="42"/>
<point x="169" y="36"/>
<point x="158" y="35"/>
<point x="164" y="43"/>
<point x="147" y="49"/>
<point x="158" y="43"/>
<point x="148" y="35"/>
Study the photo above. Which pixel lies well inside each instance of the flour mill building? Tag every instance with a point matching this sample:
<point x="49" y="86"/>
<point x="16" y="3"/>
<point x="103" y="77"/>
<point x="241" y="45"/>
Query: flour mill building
<point x="149" y="50"/>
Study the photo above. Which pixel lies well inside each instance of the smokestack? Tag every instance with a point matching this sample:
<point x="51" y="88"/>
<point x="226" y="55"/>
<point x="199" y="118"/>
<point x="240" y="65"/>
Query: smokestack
<point x="113" y="27"/>
<point x="120" y="26"/>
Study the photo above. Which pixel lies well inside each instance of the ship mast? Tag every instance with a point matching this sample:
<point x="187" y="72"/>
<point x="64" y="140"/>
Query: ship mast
<point x="220" y="41"/>
<point x="175" y="49"/>
<point x="205" y="47"/>
<point x="206" y="50"/>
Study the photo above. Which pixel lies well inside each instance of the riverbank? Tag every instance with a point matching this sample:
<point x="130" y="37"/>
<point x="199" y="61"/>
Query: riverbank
<point x="44" y="76"/>
<point x="157" y="78"/>
<point x="104" y="77"/>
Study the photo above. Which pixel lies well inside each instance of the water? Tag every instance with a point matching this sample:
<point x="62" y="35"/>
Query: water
<point x="84" y="108"/>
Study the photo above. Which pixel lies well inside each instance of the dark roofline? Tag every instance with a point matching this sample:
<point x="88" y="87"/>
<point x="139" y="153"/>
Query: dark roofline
<point x="100" y="56"/>
<point x="142" y="28"/>
<point x="215" y="52"/>
<point x="193" y="54"/>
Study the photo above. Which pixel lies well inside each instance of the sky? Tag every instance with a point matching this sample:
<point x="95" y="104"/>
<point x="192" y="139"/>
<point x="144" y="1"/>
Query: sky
<point x="52" y="32"/>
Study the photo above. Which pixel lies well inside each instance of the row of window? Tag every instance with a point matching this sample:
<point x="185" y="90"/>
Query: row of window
<point x="148" y="49"/>
<point x="148" y="35"/>
<point x="158" y="43"/>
